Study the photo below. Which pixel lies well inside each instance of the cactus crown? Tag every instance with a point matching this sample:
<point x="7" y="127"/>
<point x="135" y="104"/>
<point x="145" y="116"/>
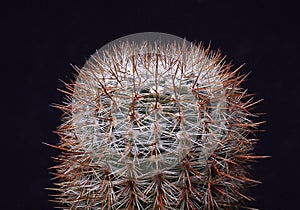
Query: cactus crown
<point x="161" y="126"/>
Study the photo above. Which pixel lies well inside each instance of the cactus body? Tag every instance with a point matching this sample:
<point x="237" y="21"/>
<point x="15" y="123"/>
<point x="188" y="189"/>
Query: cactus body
<point x="161" y="126"/>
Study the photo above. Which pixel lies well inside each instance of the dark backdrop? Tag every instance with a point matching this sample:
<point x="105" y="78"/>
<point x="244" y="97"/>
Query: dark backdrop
<point x="41" y="38"/>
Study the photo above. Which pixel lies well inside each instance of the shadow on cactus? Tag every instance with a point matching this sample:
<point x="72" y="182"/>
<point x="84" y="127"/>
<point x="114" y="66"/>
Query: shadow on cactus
<point x="155" y="126"/>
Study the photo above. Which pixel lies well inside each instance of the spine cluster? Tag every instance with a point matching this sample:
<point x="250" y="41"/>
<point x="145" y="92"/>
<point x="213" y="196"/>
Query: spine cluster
<point x="155" y="127"/>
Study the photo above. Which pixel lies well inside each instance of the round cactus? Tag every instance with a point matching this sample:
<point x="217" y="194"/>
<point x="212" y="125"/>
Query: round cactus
<point x="155" y="126"/>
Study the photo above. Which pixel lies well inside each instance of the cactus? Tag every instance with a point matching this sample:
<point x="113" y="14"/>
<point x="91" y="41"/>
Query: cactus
<point x="163" y="126"/>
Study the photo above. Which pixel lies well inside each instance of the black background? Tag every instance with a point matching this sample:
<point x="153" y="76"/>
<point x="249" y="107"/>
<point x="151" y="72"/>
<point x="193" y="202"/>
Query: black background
<point x="41" y="38"/>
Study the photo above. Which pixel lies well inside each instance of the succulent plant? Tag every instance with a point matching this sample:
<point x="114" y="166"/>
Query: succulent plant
<point x="163" y="126"/>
